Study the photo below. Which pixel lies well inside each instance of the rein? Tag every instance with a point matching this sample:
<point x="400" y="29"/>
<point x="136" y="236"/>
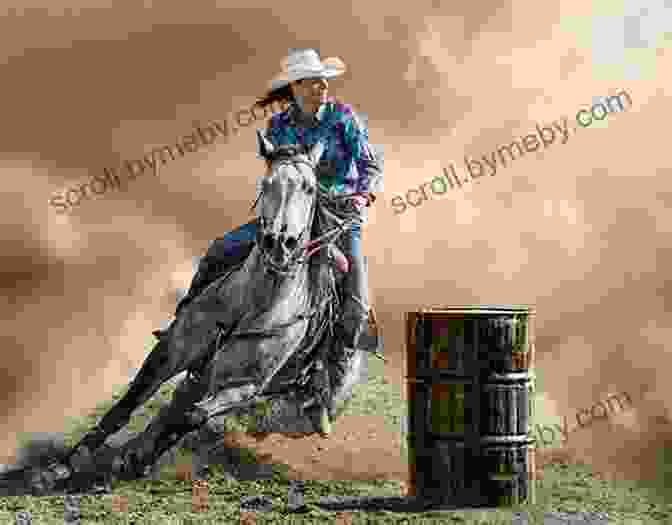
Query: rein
<point x="310" y="247"/>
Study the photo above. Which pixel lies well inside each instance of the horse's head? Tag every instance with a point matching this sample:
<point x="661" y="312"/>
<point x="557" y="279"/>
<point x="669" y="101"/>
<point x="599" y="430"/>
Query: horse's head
<point x="287" y="205"/>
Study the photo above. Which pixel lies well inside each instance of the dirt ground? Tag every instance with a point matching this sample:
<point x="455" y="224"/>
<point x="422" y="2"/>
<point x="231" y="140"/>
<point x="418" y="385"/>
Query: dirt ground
<point x="359" y="448"/>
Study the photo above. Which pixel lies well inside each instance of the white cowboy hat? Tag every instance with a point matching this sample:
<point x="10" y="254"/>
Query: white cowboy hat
<point x="305" y="63"/>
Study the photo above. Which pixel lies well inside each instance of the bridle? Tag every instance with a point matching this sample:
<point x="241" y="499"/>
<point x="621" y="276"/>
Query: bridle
<point x="306" y="248"/>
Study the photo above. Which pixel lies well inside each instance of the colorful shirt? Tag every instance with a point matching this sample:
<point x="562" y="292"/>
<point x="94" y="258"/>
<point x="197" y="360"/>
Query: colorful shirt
<point x="348" y="164"/>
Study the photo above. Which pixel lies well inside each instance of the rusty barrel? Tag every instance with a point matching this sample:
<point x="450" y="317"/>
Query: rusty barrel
<point x="469" y="382"/>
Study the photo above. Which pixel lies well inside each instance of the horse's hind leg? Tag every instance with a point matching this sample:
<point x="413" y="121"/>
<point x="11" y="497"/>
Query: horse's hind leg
<point x="157" y="368"/>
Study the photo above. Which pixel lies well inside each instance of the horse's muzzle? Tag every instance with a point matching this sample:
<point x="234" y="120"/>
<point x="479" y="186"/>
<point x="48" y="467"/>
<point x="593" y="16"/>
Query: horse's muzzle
<point x="280" y="252"/>
<point x="284" y="267"/>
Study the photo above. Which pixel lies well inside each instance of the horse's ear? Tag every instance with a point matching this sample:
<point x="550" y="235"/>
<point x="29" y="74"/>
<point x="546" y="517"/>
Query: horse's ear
<point x="316" y="152"/>
<point x="264" y="146"/>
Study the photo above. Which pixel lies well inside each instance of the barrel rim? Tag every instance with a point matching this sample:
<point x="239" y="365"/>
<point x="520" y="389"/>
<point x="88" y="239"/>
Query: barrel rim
<point x="481" y="308"/>
<point x="494" y="378"/>
<point x="434" y="376"/>
<point x="489" y="441"/>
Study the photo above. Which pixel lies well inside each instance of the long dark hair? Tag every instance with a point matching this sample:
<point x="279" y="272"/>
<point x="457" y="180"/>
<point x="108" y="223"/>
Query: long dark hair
<point x="280" y="95"/>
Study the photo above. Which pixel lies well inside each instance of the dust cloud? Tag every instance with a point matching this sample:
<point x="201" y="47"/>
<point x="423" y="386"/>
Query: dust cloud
<point x="578" y="230"/>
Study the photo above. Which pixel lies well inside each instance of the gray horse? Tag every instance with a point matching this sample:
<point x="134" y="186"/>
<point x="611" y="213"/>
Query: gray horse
<point x="262" y="332"/>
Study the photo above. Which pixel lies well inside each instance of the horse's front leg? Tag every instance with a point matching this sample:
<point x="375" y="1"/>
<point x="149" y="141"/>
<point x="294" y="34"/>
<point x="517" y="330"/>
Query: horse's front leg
<point x="159" y="366"/>
<point x="167" y="428"/>
<point x="244" y="368"/>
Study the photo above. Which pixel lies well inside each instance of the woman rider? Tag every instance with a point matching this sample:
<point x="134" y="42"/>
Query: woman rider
<point x="349" y="172"/>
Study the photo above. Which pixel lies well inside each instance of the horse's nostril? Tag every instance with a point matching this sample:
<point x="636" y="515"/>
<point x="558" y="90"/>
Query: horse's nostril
<point x="291" y="243"/>
<point x="268" y="241"/>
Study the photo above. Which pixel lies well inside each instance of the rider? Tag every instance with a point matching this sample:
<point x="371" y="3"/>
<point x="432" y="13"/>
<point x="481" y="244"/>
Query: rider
<point x="348" y="171"/>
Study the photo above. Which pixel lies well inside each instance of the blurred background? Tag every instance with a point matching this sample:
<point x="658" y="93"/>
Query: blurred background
<point x="580" y="230"/>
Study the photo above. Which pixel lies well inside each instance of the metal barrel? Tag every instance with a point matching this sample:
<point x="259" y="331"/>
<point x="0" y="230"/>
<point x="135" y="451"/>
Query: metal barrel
<point x="469" y="385"/>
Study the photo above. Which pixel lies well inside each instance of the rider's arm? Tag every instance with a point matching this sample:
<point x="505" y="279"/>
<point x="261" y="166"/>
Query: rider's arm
<point x="369" y="165"/>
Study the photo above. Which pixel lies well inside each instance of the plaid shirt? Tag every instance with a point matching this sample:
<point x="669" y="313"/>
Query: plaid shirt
<point x="348" y="165"/>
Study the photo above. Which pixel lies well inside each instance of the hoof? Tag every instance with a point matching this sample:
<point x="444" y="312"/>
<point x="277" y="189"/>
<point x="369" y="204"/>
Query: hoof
<point x="126" y="467"/>
<point x="40" y="482"/>
<point x="81" y="459"/>
<point x="43" y="481"/>
<point x="197" y="416"/>
<point x="59" y="471"/>
<point x="123" y="469"/>
<point x="88" y="484"/>
<point x="325" y="427"/>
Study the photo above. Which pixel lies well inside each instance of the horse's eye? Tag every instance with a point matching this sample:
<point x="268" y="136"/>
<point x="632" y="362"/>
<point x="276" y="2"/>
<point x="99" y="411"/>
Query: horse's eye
<point x="308" y="188"/>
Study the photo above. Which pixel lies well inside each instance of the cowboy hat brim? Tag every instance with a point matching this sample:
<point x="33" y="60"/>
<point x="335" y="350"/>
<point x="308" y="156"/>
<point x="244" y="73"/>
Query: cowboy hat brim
<point x="331" y="67"/>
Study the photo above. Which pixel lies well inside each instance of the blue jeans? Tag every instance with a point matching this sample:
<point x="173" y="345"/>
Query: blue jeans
<point x="232" y="241"/>
<point x="355" y="287"/>
<point x="236" y="245"/>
